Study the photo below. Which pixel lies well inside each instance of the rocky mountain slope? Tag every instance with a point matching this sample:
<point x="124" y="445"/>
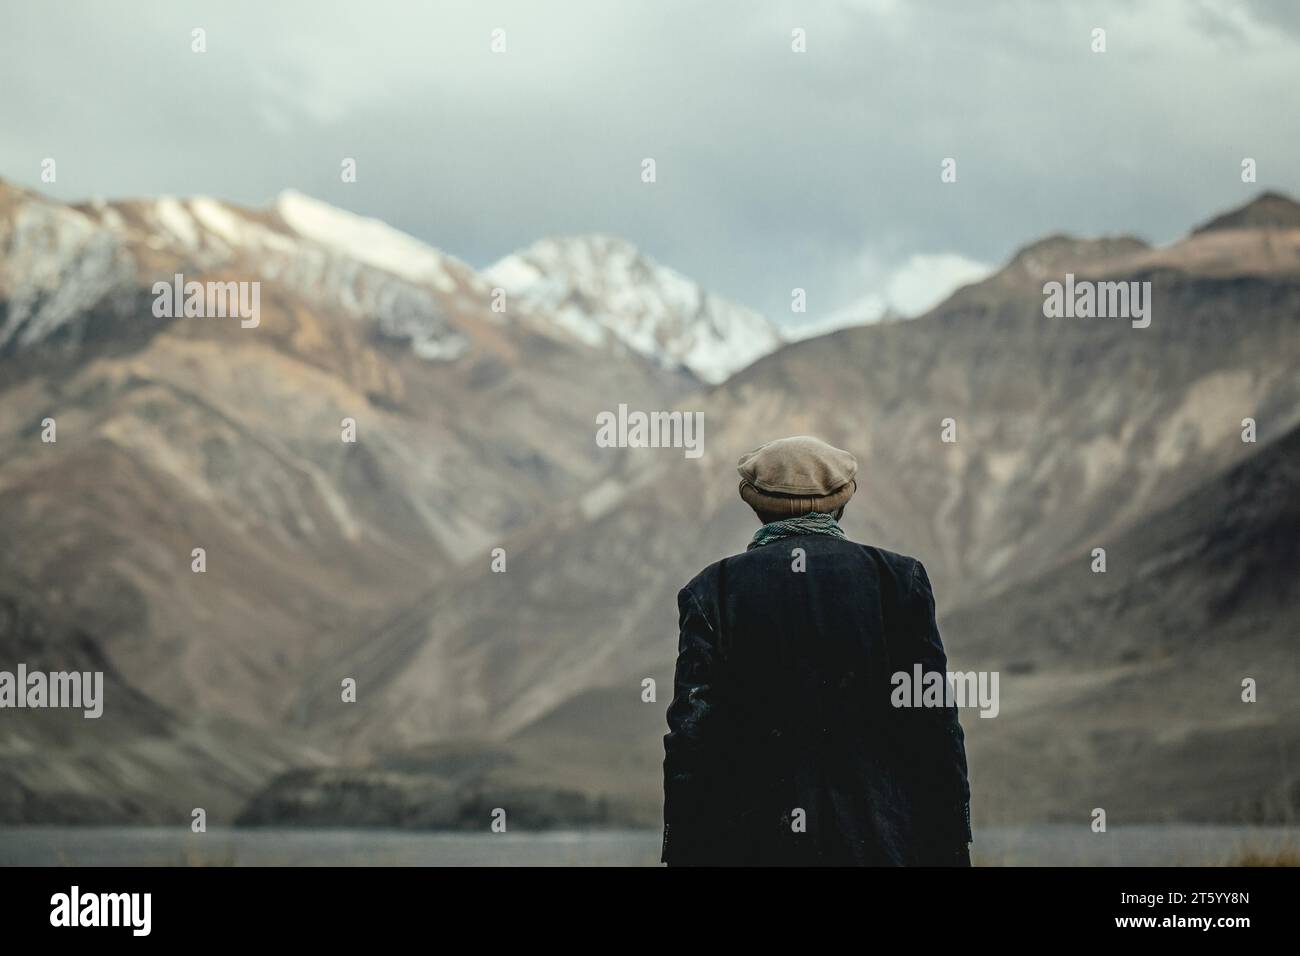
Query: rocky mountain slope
<point x="370" y="560"/>
<point x="1141" y="667"/>
<point x="1070" y="433"/>
<point x="139" y="762"/>
<point x="183" y="433"/>
<point x="603" y="290"/>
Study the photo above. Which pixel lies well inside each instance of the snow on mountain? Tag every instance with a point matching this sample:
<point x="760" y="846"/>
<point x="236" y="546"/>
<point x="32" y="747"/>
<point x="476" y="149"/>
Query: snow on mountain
<point x="206" y="230"/>
<point x="55" y="264"/>
<point x="327" y="255"/>
<point x="603" y="290"/>
<point x="367" y="240"/>
<point x="870" y="308"/>
<point x="61" y="260"/>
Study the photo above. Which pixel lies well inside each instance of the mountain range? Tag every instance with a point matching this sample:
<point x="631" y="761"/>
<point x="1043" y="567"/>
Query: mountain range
<point x="474" y="397"/>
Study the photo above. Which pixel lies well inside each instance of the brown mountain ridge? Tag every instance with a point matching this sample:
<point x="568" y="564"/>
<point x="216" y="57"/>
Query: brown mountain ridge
<point x="371" y="560"/>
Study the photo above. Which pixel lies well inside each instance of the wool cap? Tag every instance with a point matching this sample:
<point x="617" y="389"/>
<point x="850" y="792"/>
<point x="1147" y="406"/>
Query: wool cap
<point x="793" y="476"/>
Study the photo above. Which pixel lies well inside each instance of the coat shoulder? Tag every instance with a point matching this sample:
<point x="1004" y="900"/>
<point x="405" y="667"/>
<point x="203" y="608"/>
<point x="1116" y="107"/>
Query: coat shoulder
<point x="709" y="580"/>
<point x="903" y="565"/>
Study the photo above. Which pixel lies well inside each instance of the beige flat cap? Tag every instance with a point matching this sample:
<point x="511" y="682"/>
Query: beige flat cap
<point x="793" y="476"/>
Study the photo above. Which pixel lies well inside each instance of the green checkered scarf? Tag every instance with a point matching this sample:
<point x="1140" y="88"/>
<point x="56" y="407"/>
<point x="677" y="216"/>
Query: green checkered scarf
<point x="812" y="523"/>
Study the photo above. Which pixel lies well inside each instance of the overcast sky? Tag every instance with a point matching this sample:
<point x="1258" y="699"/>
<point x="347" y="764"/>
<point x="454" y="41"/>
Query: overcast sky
<point x="775" y="169"/>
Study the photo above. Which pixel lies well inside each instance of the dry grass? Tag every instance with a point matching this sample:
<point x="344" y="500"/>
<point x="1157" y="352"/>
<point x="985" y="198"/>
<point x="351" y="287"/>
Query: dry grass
<point x="1289" y="856"/>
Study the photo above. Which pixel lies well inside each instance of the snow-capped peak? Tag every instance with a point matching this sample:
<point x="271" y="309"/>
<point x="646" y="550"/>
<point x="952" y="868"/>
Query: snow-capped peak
<point x="601" y="288"/>
<point x="56" y="264"/>
<point x="366" y="240"/>
<point x="358" y="265"/>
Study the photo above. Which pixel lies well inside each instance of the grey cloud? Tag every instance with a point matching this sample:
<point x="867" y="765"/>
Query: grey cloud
<point x="775" y="169"/>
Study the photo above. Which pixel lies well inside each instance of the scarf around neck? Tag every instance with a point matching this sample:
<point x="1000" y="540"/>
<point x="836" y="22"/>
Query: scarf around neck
<point x="814" y="523"/>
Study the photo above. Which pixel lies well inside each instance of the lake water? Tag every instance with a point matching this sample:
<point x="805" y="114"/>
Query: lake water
<point x="1046" y="845"/>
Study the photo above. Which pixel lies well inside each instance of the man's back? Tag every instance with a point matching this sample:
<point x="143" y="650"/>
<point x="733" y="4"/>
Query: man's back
<point x="784" y="747"/>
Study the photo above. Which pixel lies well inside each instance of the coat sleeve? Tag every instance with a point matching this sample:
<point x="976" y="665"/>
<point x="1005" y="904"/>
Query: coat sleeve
<point x="693" y="745"/>
<point x="942" y="831"/>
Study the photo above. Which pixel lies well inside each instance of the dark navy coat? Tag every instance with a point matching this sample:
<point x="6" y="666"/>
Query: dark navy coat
<point x="784" y="747"/>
